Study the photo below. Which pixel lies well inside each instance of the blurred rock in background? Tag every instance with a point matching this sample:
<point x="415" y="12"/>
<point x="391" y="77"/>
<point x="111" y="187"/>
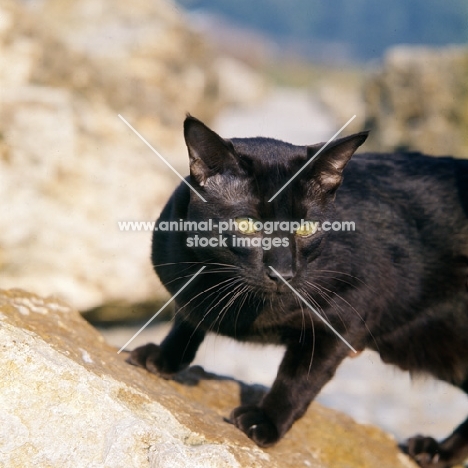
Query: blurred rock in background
<point x="69" y="168"/>
<point x="419" y="101"/>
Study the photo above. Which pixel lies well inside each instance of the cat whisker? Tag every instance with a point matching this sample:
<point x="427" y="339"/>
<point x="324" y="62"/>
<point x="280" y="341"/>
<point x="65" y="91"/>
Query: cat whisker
<point x="236" y="293"/>
<point x="221" y="286"/>
<point x="180" y="308"/>
<point x="225" y="282"/>
<point x="217" y="303"/>
<point x="204" y="262"/>
<point x="246" y="292"/>
<point x="314" y="302"/>
<point x="312" y="327"/>
<point x="218" y="292"/>
<point x="204" y="272"/>
<point x="338" y="296"/>
<point x="231" y="268"/>
<point x="331" y="302"/>
<point x="342" y="273"/>
<point x="211" y="308"/>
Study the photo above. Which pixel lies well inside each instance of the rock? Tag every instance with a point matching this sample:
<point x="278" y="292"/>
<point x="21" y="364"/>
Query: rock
<point x="63" y="193"/>
<point x="148" y="62"/>
<point x="343" y="100"/>
<point x="68" y="399"/>
<point x="239" y="84"/>
<point x="419" y="101"/>
<point x="70" y="169"/>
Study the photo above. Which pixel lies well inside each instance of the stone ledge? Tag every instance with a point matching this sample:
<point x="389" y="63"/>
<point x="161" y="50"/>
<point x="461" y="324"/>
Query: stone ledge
<point x="68" y="399"/>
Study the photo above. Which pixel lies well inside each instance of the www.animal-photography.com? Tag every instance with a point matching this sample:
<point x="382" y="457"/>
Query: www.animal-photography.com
<point x="234" y="233"/>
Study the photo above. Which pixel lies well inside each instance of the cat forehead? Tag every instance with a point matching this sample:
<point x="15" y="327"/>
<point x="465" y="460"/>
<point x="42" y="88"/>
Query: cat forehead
<point x="268" y="149"/>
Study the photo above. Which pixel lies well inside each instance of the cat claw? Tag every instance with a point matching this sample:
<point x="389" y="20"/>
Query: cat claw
<point x="425" y="459"/>
<point x="139" y="356"/>
<point x="253" y="421"/>
<point x="149" y="357"/>
<point x="426" y="452"/>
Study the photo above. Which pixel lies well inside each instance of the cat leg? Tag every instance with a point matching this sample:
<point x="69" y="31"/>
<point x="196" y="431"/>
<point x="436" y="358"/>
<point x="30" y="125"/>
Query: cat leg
<point x="301" y="376"/>
<point x="429" y="453"/>
<point x="175" y="353"/>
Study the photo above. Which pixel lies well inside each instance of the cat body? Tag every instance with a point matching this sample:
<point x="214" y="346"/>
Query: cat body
<point x="397" y="283"/>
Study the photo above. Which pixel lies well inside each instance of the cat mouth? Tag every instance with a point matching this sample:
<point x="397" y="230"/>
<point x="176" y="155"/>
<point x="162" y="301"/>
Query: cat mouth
<point x="278" y="289"/>
<point x="272" y="287"/>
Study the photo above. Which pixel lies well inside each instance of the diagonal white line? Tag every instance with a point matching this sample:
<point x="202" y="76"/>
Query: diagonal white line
<point x="162" y="159"/>
<point x="311" y="159"/>
<point x="313" y="310"/>
<point x="161" y="309"/>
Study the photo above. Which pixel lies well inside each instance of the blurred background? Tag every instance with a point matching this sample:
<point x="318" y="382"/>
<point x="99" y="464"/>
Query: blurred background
<point x="298" y="70"/>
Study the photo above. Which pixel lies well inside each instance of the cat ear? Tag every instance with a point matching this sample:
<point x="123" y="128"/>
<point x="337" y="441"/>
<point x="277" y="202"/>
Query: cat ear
<point x="208" y="152"/>
<point x="327" y="168"/>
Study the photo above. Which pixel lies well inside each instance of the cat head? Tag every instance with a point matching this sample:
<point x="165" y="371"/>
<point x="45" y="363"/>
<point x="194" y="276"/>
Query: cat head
<point x="241" y="179"/>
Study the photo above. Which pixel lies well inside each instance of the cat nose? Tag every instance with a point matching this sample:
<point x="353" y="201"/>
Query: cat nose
<point x="276" y="274"/>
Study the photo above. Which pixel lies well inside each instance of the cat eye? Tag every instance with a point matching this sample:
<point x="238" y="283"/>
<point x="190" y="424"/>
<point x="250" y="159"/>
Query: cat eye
<point x="246" y="225"/>
<point x="308" y="228"/>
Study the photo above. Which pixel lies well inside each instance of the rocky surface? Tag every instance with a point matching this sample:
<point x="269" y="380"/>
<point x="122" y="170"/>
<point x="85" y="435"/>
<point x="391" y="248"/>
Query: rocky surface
<point x="364" y="388"/>
<point x="68" y="399"/>
<point x="419" y="101"/>
<point x="69" y="167"/>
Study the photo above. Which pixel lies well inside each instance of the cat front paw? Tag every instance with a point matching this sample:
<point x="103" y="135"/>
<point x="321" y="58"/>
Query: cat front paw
<point x="254" y="422"/>
<point x="426" y="452"/>
<point x="151" y="358"/>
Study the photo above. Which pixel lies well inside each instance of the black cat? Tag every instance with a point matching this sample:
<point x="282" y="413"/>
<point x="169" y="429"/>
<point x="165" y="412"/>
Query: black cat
<point x="397" y="283"/>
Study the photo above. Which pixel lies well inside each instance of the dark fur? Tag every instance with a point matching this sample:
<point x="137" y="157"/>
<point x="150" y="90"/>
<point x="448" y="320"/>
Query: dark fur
<point x="397" y="285"/>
